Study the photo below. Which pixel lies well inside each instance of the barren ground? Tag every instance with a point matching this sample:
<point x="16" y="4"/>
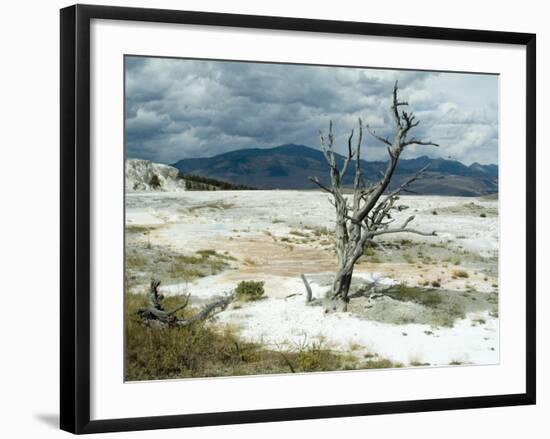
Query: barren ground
<point x="205" y="243"/>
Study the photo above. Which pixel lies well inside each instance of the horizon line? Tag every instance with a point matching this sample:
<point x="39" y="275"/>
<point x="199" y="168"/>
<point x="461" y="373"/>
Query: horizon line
<point x="305" y="146"/>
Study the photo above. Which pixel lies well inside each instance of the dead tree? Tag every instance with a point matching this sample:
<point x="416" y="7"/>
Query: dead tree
<point x="367" y="214"/>
<point x="157" y="316"/>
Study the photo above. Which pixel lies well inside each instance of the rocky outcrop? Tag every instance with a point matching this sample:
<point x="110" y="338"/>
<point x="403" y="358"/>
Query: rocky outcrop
<point x="146" y="176"/>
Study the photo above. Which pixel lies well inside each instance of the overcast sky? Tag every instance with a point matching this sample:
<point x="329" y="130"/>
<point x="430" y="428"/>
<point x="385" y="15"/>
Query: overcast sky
<point x="178" y="108"/>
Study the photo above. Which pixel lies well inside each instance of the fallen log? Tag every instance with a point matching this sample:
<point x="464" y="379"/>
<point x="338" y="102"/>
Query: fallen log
<point x="155" y="315"/>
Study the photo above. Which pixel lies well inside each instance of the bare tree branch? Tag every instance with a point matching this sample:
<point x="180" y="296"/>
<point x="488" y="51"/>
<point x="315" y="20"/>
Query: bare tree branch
<point x="404" y="185"/>
<point x="182" y="306"/>
<point x="321" y="185"/>
<point x="154" y="297"/>
<point x="395" y="105"/>
<point x="382" y="139"/>
<point x="348" y="158"/>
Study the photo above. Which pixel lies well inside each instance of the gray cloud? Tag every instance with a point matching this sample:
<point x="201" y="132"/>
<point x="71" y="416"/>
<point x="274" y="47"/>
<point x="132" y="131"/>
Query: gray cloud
<point x="178" y="108"/>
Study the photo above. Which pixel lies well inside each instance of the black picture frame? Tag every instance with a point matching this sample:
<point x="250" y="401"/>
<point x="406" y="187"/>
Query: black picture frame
<point x="75" y="217"/>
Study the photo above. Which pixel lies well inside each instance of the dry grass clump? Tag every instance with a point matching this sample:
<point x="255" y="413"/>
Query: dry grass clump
<point x="204" y="349"/>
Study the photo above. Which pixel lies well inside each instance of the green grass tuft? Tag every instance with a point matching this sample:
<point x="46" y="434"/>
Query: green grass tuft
<point x="421" y="296"/>
<point x="249" y="290"/>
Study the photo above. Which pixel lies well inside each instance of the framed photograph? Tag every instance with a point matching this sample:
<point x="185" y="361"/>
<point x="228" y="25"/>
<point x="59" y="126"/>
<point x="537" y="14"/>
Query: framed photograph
<point x="268" y="218"/>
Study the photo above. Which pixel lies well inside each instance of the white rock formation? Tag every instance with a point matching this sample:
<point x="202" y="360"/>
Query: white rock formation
<point x="146" y="176"/>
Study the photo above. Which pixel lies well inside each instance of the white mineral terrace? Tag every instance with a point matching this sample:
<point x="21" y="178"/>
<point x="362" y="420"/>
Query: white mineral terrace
<point x="250" y="226"/>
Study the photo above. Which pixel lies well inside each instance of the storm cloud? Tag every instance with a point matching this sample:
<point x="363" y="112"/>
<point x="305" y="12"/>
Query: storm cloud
<point x="180" y="108"/>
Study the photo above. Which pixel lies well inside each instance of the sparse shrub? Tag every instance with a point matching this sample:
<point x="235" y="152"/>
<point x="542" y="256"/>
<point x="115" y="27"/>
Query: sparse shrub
<point x="436" y="284"/>
<point x="248" y="290"/>
<point x="483" y="215"/>
<point x="461" y="273"/>
<point x="316" y="358"/>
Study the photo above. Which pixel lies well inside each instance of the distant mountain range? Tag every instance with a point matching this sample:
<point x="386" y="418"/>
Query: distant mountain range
<point x="289" y="166"/>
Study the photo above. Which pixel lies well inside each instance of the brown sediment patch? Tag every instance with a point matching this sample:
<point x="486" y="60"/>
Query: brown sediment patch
<point x="264" y="256"/>
<point x="261" y="254"/>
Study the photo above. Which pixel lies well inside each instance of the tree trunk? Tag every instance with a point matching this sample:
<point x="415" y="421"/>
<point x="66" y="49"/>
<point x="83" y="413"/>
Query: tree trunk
<point x="338" y="299"/>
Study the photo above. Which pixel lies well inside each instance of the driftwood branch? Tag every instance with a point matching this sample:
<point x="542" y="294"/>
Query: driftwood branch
<point x="309" y="292"/>
<point x="155" y="315"/>
<point x="154" y="297"/>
